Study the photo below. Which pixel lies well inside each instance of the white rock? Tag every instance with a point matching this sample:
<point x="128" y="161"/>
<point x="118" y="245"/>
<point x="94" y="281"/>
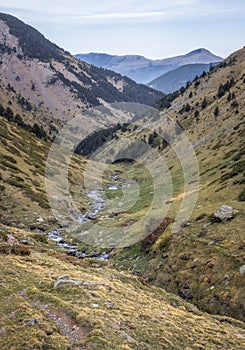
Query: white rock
<point x="242" y="270"/>
<point x="40" y="220"/>
<point x="224" y="213"/>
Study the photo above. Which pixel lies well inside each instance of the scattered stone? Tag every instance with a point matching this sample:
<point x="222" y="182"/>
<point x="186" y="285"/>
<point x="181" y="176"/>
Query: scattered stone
<point x="212" y="243"/>
<point x="184" y="256"/>
<point x="40" y="219"/>
<point x="63" y="277"/>
<point x="109" y="304"/>
<point x="224" y="213"/>
<point x="80" y="255"/>
<point x="159" y="265"/>
<point x="72" y="253"/>
<point x="239" y="335"/>
<point x="115" y="326"/>
<point x="173" y="303"/>
<point x="12" y="241"/>
<point x="242" y="270"/>
<point x="95" y="306"/>
<point x="128" y="338"/>
<point x="32" y="322"/>
<point x="25" y="242"/>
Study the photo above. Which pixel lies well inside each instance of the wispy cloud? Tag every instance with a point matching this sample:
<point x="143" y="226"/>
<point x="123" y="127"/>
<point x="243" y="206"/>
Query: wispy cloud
<point x="94" y="11"/>
<point x="122" y="15"/>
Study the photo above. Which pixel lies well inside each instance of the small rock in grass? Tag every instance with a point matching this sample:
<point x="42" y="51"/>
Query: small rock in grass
<point x="32" y="322"/>
<point x="64" y="277"/>
<point x="242" y="270"/>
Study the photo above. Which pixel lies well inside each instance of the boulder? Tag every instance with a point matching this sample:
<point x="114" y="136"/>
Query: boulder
<point x="224" y="213"/>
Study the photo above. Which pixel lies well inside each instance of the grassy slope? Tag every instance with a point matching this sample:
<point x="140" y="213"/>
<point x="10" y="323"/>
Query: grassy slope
<point x="128" y="315"/>
<point x="205" y="256"/>
<point x="22" y="163"/>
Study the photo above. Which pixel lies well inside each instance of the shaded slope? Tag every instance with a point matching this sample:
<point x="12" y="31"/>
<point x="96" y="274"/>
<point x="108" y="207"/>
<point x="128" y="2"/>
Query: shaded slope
<point x="174" y="80"/>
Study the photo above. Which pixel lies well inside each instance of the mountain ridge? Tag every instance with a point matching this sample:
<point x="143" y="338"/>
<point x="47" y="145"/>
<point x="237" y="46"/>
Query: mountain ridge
<point x="144" y="70"/>
<point x="52" y="83"/>
<point x="179" y="77"/>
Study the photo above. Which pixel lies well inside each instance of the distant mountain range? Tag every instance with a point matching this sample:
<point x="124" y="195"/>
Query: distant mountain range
<point x="144" y="70"/>
<point x="177" y="78"/>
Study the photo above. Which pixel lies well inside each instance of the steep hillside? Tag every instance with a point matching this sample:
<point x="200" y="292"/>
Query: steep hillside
<point x="22" y="175"/>
<point x="204" y="262"/>
<point x="177" y="78"/>
<point x="43" y="82"/>
<point x="144" y="70"/>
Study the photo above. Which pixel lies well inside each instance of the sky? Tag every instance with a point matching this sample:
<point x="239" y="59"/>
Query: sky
<point x="152" y="28"/>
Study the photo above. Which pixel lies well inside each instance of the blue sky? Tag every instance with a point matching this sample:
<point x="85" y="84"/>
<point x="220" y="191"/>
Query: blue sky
<point x="153" y="28"/>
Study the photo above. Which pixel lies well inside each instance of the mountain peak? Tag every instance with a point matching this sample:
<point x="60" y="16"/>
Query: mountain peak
<point x="198" y="51"/>
<point x="203" y="53"/>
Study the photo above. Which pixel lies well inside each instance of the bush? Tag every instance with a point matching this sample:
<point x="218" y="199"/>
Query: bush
<point x="204" y="103"/>
<point x="40" y="238"/>
<point x="216" y="112"/>
<point x="20" y="249"/>
<point x="241" y="196"/>
<point x="8" y="158"/>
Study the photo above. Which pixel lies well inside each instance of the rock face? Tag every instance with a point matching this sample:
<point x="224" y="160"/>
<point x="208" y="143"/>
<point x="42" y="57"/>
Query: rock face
<point x="224" y="213"/>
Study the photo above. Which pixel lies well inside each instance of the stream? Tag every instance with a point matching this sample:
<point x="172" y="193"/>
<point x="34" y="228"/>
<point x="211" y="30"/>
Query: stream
<point x="97" y="205"/>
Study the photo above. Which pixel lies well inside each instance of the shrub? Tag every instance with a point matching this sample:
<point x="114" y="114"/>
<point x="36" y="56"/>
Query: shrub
<point x="20" y="249"/>
<point x="196" y="114"/>
<point x="216" y="111"/>
<point x="234" y="104"/>
<point x="241" y="196"/>
<point x="8" y="158"/>
<point x="204" y="103"/>
<point x="40" y="238"/>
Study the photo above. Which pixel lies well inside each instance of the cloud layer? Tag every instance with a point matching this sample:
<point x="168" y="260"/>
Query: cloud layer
<point x="93" y="11"/>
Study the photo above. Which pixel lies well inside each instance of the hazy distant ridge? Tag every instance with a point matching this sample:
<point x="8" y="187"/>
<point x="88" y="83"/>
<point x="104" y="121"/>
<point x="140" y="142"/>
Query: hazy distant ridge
<point x="144" y="70"/>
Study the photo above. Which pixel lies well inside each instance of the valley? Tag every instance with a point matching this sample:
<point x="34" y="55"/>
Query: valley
<point x="111" y="235"/>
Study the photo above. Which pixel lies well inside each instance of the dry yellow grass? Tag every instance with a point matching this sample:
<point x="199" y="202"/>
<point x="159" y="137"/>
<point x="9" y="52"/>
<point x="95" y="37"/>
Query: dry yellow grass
<point x="130" y="315"/>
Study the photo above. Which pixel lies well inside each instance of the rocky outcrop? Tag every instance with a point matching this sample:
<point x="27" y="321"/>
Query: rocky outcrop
<point x="66" y="281"/>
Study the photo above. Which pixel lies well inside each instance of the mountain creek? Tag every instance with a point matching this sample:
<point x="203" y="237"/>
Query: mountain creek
<point x="97" y="204"/>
